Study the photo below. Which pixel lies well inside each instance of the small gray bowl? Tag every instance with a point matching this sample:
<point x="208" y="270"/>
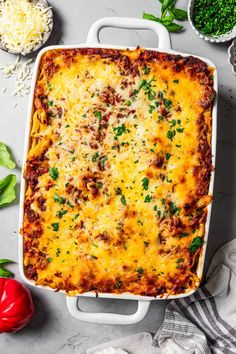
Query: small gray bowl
<point x="213" y="39"/>
<point x="46" y="35"/>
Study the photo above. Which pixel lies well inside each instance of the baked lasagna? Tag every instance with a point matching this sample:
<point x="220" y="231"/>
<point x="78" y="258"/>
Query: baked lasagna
<point x="118" y="171"/>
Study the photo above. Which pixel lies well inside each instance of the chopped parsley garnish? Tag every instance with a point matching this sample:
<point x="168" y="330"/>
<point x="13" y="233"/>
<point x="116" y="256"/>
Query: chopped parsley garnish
<point x="128" y="103"/>
<point x="184" y="234"/>
<point x="170" y="135"/>
<point x="173" y="123"/>
<point x="180" y="260"/>
<point x="173" y="209"/>
<point x="180" y="130"/>
<point x="51" y="103"/>
<point x="58" y="199"/>
<point x="95" y="157"/>
<point x="147" y="199"/>
<point x="99" y="185"/>
<point x="119" y="284"/>
<point x="176" y="81"/>
<point x="55" y="226"/>
<point x="118" y="191"/>
<point x="168" y="156"/>
<point x="98" y="114"/>
<point x="119" y="131"/>
<point x="103" y="160"/>
<point x="151" y="109"/>
<point x="195" y="244"/>
<point x="53" y="172"/>
<point x="146" y="70"/>
<point x="49" y="260"/>
<point x="167" y="103"/>
<point x="60" y="213"/>
<point x="76" y="216"/>
<point x="58" y="252"/>
<point x="49" y="86"/>
<point x="123" y="200"/>
<point x="140" y="271"/>
<point x="145" y="183"/>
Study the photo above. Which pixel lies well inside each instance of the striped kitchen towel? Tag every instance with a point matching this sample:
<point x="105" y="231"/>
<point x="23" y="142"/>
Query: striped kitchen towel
<point x="202" y="323"/>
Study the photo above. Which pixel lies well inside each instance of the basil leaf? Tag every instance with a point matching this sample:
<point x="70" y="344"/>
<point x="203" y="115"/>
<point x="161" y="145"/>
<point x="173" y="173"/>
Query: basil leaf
<point x="4" y="261"/>
<point x="173" y="27"/>
<point x="166" y="4"/>
<point x="179" y="14"/>
<point x="151" y="17"/>
<point x="4" y="273"/>
<point x="7" y="189"/>
<point x="5" y="158"/>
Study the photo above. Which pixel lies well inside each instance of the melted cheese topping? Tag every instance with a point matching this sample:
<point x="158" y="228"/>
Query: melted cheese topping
<point x="22" y="24"/>
<point x="121" y="151"/>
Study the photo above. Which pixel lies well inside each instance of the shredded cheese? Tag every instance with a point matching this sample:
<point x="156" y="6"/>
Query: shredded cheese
<point x="21" y="72"/>
<point x="22" y="25"/>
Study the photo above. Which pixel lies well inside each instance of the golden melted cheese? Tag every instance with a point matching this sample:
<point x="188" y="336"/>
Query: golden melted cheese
<point x="118" y="204"/>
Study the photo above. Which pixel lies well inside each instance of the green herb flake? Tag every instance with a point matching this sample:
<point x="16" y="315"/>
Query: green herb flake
<point x="51" y="103"/>
<point x="95" y="156"/>
<point x="147" y="199"/>
<point x="184" y="234"/>
<point x="119" y="284"/>
<point x="146" y="70"/>
<point x="55" y="226"/>
<point x="103" y="160"/>
<point x="60" y="213"/>
<point x="53" y="173"/>
<point x="58" y="199"/>
<point x="49" y="260"/>
<point x="167" y="103"/>
<point x="145" y="183"/>
<point x="168" y="156"/>
<point x="140" y="271"/>
<point x="195" y="244"/>
<point x="176" y="81"/>
<point x="123" y="200"/>
<point x="170" y="134"/>
<point x="174" y="210"/>
<point x="98" y="114"/>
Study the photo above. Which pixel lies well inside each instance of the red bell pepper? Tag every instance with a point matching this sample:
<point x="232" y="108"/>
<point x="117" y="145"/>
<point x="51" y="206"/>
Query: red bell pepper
<point x="16" y="305"/>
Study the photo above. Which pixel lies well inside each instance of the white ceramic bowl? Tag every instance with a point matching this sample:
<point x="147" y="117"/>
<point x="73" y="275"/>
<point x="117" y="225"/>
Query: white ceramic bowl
<point x="214" y="39"/>
<point x="46" y="35"/>
<point x="232" y="56"/>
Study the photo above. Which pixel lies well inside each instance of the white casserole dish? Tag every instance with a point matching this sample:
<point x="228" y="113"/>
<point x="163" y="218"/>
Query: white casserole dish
<point x="93" y="41"/>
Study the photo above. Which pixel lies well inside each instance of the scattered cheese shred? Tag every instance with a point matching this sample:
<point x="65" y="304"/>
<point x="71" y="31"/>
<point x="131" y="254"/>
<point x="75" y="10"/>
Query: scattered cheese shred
<point x="21" y="72"/>
<point x="22" y="25"/>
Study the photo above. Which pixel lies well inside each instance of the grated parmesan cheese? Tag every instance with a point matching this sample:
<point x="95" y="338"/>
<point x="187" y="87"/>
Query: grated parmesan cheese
<point x="21" y="72"/>
<point x="22" y="25"/>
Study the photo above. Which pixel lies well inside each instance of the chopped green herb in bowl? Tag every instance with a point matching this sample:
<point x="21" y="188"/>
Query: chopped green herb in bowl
<point x="213" y="20"/>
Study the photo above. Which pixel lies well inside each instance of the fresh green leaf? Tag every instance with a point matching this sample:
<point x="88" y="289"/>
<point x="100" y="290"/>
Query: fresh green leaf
<point x="7" y="189"/>
<point x="174" y="209"/>
<point x="5" y="158"/>
<point x="4" y="261"/>
<point x="174" y="27"/>
<point x="151" y="17"/>
<point x="179" y="14"/>
<point x="166" y="5"/>
<point x="95" y="156"/>
<point x="195" y="244"/>
<point x="4" y="273"/>
<point x="146" y="70"/>
<point x="60" y="213"/>
<point x="53" y="172"/>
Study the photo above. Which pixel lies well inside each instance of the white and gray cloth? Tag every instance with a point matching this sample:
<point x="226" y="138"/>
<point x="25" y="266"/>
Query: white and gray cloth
<point x="202" y="323"/>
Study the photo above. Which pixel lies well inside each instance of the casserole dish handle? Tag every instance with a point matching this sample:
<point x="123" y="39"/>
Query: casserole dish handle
<point x="107" y="318"/>
<point x="129" y="23"/>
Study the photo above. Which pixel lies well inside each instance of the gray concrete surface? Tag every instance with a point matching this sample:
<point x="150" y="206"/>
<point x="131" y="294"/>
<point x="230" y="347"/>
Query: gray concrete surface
<point x="52" y="329"/>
